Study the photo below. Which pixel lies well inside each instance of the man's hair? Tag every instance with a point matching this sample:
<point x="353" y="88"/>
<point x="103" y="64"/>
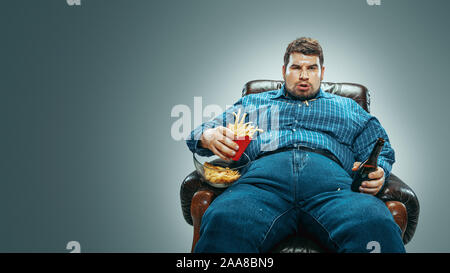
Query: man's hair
<point x="306" y="46"/>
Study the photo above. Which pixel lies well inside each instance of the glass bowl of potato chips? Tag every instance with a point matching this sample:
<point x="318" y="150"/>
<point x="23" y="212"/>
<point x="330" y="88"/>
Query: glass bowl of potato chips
<point x="220" y="173"/>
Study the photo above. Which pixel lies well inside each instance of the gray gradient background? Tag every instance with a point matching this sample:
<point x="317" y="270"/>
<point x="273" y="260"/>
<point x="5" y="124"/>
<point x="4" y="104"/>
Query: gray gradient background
<point x="87" y="92"/>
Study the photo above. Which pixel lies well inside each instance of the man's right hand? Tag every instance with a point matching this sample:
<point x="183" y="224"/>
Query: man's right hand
<point x="220" y="141"/>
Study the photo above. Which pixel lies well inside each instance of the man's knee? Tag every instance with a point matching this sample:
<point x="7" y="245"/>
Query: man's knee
<point x="373" y="224"/>
<point x="222" y="230"/>
<point x="379" y="221"/>
<point x="372" y="215"/>
<point x="217" y="216"/>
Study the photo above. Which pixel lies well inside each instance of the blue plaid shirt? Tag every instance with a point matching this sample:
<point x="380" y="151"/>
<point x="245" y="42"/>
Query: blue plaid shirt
<point x="329" y="122"/>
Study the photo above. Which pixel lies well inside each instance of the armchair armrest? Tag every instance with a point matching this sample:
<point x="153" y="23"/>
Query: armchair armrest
<point x="196" y="196"/>
<point x="192" y="184"/>
<point x="397" y="190"/>
<point x="200" y="203"/>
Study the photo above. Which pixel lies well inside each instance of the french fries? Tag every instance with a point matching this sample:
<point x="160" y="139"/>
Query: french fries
<point x="242" y="129"/>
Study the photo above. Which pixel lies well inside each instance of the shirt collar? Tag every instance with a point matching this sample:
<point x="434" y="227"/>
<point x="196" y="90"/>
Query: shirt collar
<point x="283" y="93"/>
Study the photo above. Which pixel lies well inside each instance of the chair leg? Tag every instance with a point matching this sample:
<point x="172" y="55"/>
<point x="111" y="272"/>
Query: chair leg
<point x="200" y="202"/>
<point x="398" y="211"/>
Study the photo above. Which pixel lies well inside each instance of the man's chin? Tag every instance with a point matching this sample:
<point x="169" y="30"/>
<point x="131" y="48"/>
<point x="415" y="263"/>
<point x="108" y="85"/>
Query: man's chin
<point x="304" y="95"/>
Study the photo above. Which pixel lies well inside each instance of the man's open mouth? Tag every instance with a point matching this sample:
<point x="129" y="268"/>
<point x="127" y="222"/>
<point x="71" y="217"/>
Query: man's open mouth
<point x="303" y="86"/>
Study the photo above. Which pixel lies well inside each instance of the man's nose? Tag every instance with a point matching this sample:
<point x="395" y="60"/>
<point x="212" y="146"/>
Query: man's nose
<point x="304" y="74"/>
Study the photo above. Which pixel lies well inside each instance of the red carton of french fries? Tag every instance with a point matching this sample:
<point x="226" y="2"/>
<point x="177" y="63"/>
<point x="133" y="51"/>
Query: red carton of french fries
<point x="243" y="143"/>
<point x="244" y="133"/>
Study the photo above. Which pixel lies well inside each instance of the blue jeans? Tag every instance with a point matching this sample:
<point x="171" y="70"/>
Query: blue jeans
<point x="283" y="192"/>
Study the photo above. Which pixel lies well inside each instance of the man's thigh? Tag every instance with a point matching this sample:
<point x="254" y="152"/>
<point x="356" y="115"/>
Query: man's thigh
<point x="346" y="221"/>
<point x="246" y="218"/>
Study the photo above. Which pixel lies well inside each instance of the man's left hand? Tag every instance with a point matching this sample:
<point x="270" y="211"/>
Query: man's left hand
<point x="376" y="180"/>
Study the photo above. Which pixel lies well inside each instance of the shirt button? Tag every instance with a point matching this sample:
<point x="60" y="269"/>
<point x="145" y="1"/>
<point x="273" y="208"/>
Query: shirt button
<point x="293" y="130"/>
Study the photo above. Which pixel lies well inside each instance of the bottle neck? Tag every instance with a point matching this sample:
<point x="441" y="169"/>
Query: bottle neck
<point x="372" y="161"/>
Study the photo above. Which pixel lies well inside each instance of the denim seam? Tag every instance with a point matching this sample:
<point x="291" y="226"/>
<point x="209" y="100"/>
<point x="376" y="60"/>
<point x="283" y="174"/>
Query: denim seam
<point x="295" y="175"/>
<point x="272" y="224"/>
<point x="322" y="226"/>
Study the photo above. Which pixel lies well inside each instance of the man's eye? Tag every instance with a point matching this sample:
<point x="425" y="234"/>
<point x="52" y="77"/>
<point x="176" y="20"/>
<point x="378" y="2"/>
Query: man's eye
<point x="312" y="68"/>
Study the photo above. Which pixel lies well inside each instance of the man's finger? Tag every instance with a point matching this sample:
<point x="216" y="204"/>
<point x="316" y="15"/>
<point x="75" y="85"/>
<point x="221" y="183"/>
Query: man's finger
<point x="372" y="184"/>
<point x="372" y="191"/>
<point x="224" y="149"/>
<point x="219" y="154"/>
<point x="227" y="132"/>
<point x="229" y="143"/>
<point x="356" y="165"/>
<point x="221" y="134"/>
<point x="378" y="173"/>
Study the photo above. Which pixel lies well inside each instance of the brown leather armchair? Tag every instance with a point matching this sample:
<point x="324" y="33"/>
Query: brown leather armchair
<point x="400" y="199"/>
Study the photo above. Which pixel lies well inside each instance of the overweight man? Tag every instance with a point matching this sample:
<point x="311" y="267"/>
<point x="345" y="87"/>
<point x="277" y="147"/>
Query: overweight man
<point x="304" y="180"/>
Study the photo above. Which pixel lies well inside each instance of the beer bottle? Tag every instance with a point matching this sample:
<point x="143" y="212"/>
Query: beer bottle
<point x="367" y="166"/>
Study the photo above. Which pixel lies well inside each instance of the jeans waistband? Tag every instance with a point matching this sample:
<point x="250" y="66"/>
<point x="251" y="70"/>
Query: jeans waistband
<point x="303" y="148"/>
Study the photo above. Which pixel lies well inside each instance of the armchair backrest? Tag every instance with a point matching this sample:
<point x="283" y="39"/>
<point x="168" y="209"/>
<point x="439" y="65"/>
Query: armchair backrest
<point x="357" y="92"/>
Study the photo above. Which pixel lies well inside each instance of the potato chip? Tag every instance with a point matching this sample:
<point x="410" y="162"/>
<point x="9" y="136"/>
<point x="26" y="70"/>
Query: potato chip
<point x="217" y="174"/>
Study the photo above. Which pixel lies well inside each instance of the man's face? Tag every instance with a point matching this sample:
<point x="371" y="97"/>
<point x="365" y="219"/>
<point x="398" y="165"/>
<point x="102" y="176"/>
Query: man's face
<point x="303" y="75"/>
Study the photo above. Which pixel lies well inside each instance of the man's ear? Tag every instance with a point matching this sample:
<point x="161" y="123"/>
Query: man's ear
<point x="283" y="71"/>
<point x="321" y="73"/>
